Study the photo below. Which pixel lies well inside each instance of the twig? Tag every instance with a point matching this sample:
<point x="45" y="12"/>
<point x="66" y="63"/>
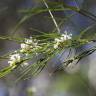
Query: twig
<point x="57" y="27"/>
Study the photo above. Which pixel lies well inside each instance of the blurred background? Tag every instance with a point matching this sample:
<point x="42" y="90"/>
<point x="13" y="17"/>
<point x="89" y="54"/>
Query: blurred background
<point x="74" y="81"/>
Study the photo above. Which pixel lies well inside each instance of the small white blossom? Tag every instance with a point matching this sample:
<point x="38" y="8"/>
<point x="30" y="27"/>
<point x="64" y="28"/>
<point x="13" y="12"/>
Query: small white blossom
<point x="24" y="64"/>
<point x="25" y="47"/>
<point x="63" y="38"/>
<point x="56" y="45"/>
<point x="28" y="45"/>
<point x="14" y="58"/>
<point x="29" y="41"/>
<point x="32" y="89"/>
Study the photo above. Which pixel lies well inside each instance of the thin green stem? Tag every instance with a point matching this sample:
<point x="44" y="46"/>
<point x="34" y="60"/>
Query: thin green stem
<point x="52" y="16"/>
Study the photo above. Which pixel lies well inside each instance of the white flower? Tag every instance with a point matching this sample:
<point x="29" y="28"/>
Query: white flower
<point x="28" y="44"/>
<point x="32" y="89"/>
<point x="56" y="45"/>
<point x="14" y="58"/>
<point x="25" y="47"/>
<point x="63" y="38"/>
<point x="29" y="41"/>
<point x="57" y="40"/>
<point x="24" y="64"/>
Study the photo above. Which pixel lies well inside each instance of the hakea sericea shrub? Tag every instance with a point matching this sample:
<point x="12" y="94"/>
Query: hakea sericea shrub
<point x="41" y="49"/>
<point x="31" y="46"/>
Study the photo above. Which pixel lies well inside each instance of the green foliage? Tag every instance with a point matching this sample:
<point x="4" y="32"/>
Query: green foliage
<point x="46" y="40"/>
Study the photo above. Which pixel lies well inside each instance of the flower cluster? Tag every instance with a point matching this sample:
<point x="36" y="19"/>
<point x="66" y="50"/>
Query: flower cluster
<point x="26" y="47"/>
<point x="61" y="39"/>
<point x="14" y="58"/>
